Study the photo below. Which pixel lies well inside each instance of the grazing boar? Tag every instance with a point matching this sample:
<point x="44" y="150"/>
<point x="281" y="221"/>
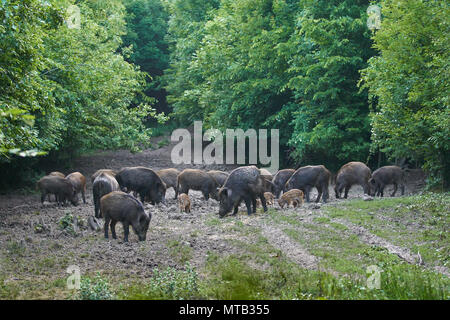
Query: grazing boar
<point x="243" y="184"/>
<point x="280" y="179"/>
<point x="184" y="203"/>
<point x="196" y="179"/>
<point x="269" y="198"/>
<point x="103" y="184"/>
<point x="350" y="174"/>
<point x="293" y="196"/>
<point x="169" y="177"/>
<point x="98" y="172"/>
<point x="62" y="188"/>
<point x="384" y="176"/>
<point x="308" y="177"/>
<point x="220" y="177"/>
<point x="79" y="182"/>
<point x="120" y="206"/>
<point x="144" y="181"/>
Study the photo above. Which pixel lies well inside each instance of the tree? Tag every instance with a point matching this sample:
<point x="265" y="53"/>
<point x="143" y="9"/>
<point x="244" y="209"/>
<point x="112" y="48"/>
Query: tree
<point x="408" y="84"/>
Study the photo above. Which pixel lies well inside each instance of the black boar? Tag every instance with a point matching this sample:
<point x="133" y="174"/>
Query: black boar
<point x="220" y="177"/>
<point x="350" y="174"/>
<point x="169" y="177"/>
<point x="243" y="184"/>
<point x="62" y="188"/>
<point x="384" y="176"/>
<point x="308" y="177"/>
<point x="120" y="206"/>
<point x="108" y="171"/>
<point x="196" y="179"/>
<point x="144" y="181"/>
<point x="103" y="184"/>
<point x="280" y="179"/>
<point x="79" y="182"/>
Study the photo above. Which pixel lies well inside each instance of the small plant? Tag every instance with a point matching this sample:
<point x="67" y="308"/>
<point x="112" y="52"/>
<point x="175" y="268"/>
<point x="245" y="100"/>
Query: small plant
<point x="96" y="289"/>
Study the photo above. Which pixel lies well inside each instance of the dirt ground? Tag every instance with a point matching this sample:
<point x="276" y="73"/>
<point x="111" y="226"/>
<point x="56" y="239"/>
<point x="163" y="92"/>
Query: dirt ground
<point x="31" y="238"/>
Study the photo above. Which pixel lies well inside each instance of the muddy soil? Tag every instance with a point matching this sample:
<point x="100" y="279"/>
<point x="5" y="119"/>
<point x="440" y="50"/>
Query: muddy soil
<point x="30" y="233"/>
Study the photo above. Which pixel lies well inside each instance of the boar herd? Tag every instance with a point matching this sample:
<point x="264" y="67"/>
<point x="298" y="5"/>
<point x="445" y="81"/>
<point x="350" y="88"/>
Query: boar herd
<point x="248" y="184"/>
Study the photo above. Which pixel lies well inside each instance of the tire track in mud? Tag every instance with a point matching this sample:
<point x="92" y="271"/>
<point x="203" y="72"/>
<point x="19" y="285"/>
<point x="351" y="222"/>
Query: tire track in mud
<point x="290" y="248"/>
<point x="403" y="253"/>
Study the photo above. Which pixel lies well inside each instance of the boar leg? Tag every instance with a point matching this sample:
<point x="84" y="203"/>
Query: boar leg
<point x="263" y="202"/>
<point x="113" y="228"/>
<point x="126" y="231"/>
<point x="248" y="204"/>
<point x="402" y="188"/>
<point x="83" y="195"/>
<point x="307" y="191"/>
<point x="319" y="190"/>
<point x="395" y="190"/>
<point x="106" y="225"/>
<point x="347" y="189"/>
<point x="254" y="204"/>
<point x="43" y="197"/>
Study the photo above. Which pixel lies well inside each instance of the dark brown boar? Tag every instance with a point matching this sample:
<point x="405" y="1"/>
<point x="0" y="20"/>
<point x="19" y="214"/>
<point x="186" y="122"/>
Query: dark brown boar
<point x="79" y="182"/>
<point x="384" y="176"/>
<point x="62" y="188"/>
<point x="308" y="177"/>
<point x="120" y="206"/>
<point x="144" y="181"/>
<point x="349" y="174"/>
<point x="244" y="184"/>
<point x="103" y="184"/>
<point x="57" y="173"/>
<point x="108" y="171"/>
<point x="169" y="177"/>
<point x="196" y="179"/>
<point x="280" y="179"/>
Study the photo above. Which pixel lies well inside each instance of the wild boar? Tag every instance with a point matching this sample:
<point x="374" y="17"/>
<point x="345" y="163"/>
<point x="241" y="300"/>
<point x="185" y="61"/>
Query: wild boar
<point x="79" y="182"/>
<point x="384" y="176"/>
<point x="120" y="206"/>
<point x="184" y="203"/>
<point x="293" y="196"/>
<point x="62" y="188"/>
<point x="144" y="181"/>
<point x="269" y="198"/>
<point x="220" y="177"/>
<point x="196" y="179"/>
<point x="305" y="178"/>
<point x="57" y="173"/>
<point x="169" y="177"/>
<point x="243" y="184"/>
<point x="352" y="173"/>
<point x="108" y="171"/>
<point x="280" y="179"/>
<point x="103" y="184"/>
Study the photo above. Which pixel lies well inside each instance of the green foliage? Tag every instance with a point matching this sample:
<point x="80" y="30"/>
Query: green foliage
<point x="147" y="23"/>
<point x="166" y="284"/>
<point x="95" y="289"/>
<point x="280" y="64"/>
<point x="408" y="84"/>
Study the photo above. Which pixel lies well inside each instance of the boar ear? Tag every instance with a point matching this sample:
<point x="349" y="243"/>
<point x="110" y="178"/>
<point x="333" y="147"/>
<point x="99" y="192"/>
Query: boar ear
<point x="226" y="192"/>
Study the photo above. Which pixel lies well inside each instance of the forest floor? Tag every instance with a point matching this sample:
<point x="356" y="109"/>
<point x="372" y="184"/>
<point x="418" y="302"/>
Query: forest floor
<point x="316" y="251"/>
